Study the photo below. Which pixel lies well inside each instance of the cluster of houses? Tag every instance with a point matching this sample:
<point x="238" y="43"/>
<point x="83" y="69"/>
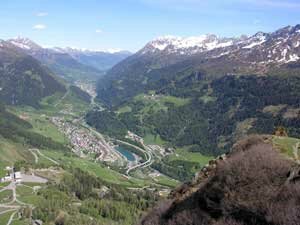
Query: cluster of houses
<point x="83" y="141"/>
<point x="12" y="175"/>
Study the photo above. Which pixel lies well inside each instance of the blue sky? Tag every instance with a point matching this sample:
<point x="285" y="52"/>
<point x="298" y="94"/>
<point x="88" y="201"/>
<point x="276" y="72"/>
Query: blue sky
<point x="129" y="24"/>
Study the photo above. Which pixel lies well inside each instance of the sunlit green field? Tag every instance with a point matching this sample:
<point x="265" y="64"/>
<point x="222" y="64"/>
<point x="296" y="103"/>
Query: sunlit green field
<point x="184" y="154"/>
<point x="26" y="194"/>
<point x="285" y="144"/>
<point x="153" y="139"/>
<point x="158" y="102"/>
<point x="166" y="181"/>
<point x="6" y="196"/>
<point x="95" y="168"/>
<point x="5" y="217"/>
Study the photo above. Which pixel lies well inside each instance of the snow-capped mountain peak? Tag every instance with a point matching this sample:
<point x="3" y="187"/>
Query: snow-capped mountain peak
<point x="256" y="40"/>
<point x="187" y="45"/>
<point x="24" y="43"/>
<point x="260" y="50"/>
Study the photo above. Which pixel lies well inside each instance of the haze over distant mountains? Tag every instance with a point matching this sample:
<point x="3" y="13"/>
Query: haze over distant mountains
<point x="30" y="72"/>
<point x="71" y="64"/>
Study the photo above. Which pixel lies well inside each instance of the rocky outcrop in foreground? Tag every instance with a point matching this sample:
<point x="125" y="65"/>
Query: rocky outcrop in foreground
<point x="252" y="185"/>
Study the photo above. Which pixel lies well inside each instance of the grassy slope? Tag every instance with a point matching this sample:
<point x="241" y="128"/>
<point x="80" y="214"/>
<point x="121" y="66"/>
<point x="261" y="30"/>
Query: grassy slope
<point x="153" y="104"/>
<point x="96" y="169"/>
<point x="20" y="222"/>
<point x="285" y="145"/>
<point x="26" y="195"/>
<point x="11" y="152"/>
<point x="6" y="196"/>
<point x="166" y="181"/>
<point x="40" y="122"/>
<point x="51" y="106"/>
<point x="152" y="139"/>
<point x="185" y="155"/>
<point x="158" y="102"/>
<point x="5" y="217"/>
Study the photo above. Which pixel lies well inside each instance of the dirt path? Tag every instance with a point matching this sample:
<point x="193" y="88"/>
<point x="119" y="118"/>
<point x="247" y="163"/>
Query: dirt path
<point x="11" y="218"/>
<point x="296" y="151"/>
<point x="6" y="211"/>
<point x="33" y="150"/>
<point x="36" y="158"/>
<point x="9" y="206"/>
<point x="63" y="97"/>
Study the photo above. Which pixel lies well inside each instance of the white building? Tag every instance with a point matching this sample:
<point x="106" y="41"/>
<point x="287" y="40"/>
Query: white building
<point x="7" y="178"/>
<point x="18" y="176"/>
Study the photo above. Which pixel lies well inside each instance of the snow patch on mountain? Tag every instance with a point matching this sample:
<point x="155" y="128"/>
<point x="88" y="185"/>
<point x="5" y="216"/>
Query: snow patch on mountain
<point x="186" y="45"/>
<point x="24" y="43"/>
<point x="256" y="40"/>
<point x="293" y="58"/>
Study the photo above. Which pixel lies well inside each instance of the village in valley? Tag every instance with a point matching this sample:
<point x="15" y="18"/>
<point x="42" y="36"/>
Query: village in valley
<point x="84" y="141"/>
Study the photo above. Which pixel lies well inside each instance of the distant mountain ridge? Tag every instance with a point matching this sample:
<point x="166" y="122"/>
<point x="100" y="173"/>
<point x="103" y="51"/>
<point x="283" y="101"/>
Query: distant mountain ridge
<point x="101" y="60"/>
<point x="69" y="63"/>
<point x="171" y="58"/>
<point x="284" y="38"/>
<point x="249" y="86"/>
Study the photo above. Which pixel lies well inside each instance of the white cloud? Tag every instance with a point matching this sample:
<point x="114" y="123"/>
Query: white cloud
<point x="99" y="31"/>
<point x="42" y="14"/>
<point x="39" y="27"/>
<point x="113" y="50"/>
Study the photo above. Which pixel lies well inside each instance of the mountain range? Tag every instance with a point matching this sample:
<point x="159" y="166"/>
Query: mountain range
<point x="101" y="60"/>
<point x="167" y="59"/>
<point x="203" y="94"/>
<point x="71" y="64"/>
<point x="30" y="72"/>
<point x="23" y="79"/>
<point x="176" y="104"/>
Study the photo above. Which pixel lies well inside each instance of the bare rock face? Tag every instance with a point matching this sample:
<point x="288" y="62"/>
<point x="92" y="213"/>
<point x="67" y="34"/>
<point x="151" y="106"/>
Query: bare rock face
<point x="255" y="185"/>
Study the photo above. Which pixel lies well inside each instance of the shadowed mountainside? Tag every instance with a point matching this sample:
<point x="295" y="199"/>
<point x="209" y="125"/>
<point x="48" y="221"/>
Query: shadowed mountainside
<point x="254" y="185"/>
<point x="24" y="80"/>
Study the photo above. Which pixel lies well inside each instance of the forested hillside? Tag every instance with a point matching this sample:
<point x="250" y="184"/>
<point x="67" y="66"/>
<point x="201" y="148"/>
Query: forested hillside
<point x="203" y="95"/>
<point x="215" y="113"/>
<point x="165" y="61"/>
<point x="23" y="80"/>
<point x="17" y="130"/>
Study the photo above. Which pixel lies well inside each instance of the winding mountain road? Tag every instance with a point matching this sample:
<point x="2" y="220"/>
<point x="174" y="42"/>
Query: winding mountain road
<point x="63" y="97"/>
<point x="12" y="205"/>
<point x="145" y="164"/>
<point x="9" y="206"/>
<point x="33" y="150"/>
